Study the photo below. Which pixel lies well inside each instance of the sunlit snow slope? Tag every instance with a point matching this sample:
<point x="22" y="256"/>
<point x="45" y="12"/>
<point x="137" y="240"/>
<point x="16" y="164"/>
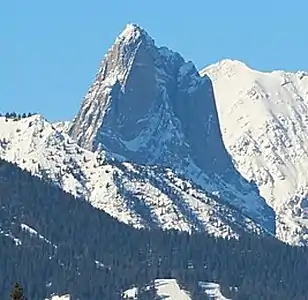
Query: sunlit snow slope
<point x="142" y="196"/>
<point x="264" y="122"/>
<point x="169" y="289"/>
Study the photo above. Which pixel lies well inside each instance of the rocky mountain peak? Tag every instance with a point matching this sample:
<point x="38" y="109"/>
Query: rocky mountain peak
<point x="133" y="32"/>
<point x="149" y="106"/>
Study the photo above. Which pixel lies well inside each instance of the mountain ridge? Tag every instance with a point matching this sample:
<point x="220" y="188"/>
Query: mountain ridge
<point x="138" y="195"/>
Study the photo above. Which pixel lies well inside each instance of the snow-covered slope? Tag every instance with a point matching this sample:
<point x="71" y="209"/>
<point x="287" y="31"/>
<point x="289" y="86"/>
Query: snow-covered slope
<point x="264" y="121"/>
<point x="170" y="289"/>
<point x="143" y="196"/>
<point x="150" y="107"/>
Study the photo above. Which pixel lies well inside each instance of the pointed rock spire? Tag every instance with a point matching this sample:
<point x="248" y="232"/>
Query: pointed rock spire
<point x="133" y="32"/>
<point x="148" y="106"/>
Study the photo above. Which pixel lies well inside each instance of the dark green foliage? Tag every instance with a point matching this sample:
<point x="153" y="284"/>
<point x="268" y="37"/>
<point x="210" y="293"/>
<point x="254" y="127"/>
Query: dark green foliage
<point x="86" y="253"/>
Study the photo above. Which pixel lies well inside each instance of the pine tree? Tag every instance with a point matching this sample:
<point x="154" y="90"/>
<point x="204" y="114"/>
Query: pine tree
<point x="17" y="293"/>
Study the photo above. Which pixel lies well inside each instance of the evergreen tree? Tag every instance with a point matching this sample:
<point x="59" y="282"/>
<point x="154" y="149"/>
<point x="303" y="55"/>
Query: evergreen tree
<point x="17" y="293"/>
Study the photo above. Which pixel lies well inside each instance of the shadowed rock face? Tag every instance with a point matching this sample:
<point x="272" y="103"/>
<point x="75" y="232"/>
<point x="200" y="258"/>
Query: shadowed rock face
<point x="147" y="105"/>
<point x="150" y="106"/>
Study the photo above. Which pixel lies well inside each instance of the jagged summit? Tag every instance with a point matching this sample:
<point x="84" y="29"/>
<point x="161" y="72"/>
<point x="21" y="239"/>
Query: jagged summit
<point x="132" y="32"/>
<point x="132" y="29"/>
<point x="150" y="106"/>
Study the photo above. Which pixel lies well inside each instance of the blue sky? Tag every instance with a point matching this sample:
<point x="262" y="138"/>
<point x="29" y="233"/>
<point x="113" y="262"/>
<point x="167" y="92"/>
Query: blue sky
<point x="50" y="50"/>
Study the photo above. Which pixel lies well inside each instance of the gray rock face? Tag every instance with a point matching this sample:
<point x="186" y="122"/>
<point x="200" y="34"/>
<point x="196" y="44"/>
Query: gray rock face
<point x="147" y="105"/>
<point x="150" y="106"/>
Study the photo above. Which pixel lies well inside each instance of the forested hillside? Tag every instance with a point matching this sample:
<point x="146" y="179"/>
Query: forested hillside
<point x="54" y="243"/>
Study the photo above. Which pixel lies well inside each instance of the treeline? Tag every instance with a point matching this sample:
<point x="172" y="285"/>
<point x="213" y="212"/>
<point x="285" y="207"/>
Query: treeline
<point x="16" y="116"/>
<point x="84" y="252"/>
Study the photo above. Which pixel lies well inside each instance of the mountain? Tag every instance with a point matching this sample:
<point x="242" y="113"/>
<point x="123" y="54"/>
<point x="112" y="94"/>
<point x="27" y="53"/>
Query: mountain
<point x="150" y="107"/>
<point x="146" y="149"/>
<point x="264" y="122"/>
<point x="55" y="244"/>
<point x="149" y="132"/>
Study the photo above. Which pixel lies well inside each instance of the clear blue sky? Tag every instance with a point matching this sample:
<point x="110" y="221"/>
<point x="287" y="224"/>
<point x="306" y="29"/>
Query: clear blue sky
<point x="50" y="50"/>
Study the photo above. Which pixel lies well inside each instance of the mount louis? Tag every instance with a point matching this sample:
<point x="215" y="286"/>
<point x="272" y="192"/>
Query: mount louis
<point x="147" y="147"/>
